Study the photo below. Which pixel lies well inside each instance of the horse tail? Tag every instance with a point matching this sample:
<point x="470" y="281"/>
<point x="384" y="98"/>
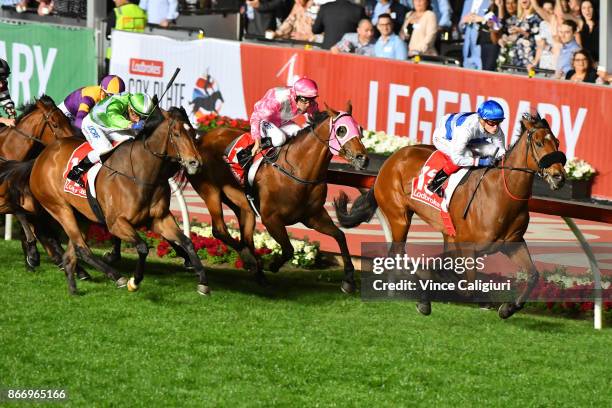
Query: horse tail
<point x="17" y="176"/>
<point x="362" y="210"/>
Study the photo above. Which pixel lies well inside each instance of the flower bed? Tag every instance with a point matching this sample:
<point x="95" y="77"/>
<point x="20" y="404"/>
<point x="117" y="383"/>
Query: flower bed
<point x="577" y="169"/>
<point x="213" y="251"/>
<point x="382" y="143"/>
<point x="213" y="120"/>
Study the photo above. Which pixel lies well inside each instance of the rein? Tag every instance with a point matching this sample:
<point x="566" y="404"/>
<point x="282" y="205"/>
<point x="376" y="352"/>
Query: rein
<point x="543" y="163"/>
<point x="21" y="133"/>
<point x="161" y="156"/>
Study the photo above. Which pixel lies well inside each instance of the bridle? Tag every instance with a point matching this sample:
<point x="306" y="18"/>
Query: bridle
<point x="543" y="162"/>
<point x="46" y="121"/>
<point x="325" y="142"/>
<point x="165" y="156"/>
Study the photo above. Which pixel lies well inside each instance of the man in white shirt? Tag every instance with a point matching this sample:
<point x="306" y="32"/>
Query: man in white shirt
<point x="161" y="12"/>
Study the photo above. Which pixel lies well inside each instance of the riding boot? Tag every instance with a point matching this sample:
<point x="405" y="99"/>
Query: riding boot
<point x="77" y="171"/>
<point x="435" y="185"/>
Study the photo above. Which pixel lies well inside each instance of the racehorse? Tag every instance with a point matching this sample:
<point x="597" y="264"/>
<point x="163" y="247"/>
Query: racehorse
<point x="39" y="124"/>
<point x="499" y="212"/>
<point x="131" y="187"/>
<point x="291" y="190"/>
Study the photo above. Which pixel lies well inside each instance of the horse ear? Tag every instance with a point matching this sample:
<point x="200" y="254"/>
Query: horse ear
<point x="349" y="107"/>
<point x="329" y="110"/>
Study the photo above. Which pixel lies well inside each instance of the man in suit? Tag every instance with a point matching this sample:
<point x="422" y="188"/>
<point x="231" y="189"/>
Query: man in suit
<point x="335" y="19"/>
<point x="396" y="10"/>
<point x="264" y="15"/>
<point x="470" y="26"/>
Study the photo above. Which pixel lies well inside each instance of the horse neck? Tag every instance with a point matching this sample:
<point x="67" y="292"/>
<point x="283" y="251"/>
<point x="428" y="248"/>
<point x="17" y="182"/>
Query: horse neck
<point x="136" y="159"/>
<point x="310" y="156"/>
<point x="13" y="145"/>
<point x="518" y="182"/>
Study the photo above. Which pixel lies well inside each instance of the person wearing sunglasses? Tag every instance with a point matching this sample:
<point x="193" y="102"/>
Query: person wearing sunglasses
<point x="272" y="118"/>
<point x="468" y="139"/>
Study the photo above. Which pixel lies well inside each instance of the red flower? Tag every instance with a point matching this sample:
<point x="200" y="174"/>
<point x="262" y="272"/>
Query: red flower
<point x="163" y="249"/>
<point x="239" y="264"/>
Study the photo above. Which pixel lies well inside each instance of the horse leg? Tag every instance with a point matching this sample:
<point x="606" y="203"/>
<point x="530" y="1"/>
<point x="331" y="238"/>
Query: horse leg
<point x="70" y="262"/>
<point x="521" y="257"/>
<point x="28" y="243"/>
<point x="278" y="231"/>
<point x="168" y="229"/>
<point x="123" y="230"/>
<point x="114" y="255"/>
<point x="82" y="250"/>
<point x="248" y="255"/>
<point x="180" y="252"/>
<point x="50" y="242"/>
<point x="322" y="222"/>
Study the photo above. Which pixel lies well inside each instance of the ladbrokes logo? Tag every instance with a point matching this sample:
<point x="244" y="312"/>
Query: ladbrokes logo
<point x="146" y="67"/>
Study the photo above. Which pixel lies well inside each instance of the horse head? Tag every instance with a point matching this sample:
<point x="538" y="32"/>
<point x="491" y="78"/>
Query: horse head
<point x="43" y="120"/>
<point x="345" y="137"/>
<point x="543" y="154"/>
<point x="180" y="140"/>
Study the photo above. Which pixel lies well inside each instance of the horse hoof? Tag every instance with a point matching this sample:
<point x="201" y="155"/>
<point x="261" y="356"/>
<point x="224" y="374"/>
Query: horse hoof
<point x="262" y="280"/>
<point x="203" y="290"/>
<point x="275" y="267"/>
<point x="121" y="282"/>
<point x="347" y="287"/>
<point x="83" y="275"/>
<point x="32" y="262"/>
<point x="132" y="286"/>
<point x="110" y="257"/>
<point x="506" y="310"/>
<point x="424" y="308"/>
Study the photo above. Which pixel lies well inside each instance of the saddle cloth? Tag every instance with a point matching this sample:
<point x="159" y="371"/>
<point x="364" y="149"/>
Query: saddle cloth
<point x="89" y="178"/>
<point x="231" y="157"/>
<point x="420" y="192"/>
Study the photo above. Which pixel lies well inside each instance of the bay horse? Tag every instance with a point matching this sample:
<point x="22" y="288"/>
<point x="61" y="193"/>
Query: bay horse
<point x="132" y="190"/>
<point x="290" y="190"/>
<point x="498" y="214"/>
<point x="40" y="123"/>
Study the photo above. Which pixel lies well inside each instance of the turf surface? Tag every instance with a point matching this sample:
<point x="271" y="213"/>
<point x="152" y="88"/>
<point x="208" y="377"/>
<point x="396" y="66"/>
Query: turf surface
<point x="303" y="343"/>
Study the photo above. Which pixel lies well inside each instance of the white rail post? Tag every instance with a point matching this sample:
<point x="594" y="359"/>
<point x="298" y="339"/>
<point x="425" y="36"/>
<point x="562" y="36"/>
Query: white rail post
<point x="181" y="202"/>
<point x="597" y="310"/>
<point x="8" y="227"/>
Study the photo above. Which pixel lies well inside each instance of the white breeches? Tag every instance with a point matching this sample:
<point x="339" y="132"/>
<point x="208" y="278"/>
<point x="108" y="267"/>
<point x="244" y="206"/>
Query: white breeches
<point x="101" y="138"/>
<point x="63" y="108"/>
<point x="279" y="135"/>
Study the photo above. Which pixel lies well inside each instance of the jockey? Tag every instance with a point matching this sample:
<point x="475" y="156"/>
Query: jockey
<point x="273" y="115"/>
<point x="5" y="98"/>
<point x="78" y="104"/>
<point x="115" y="119"/>
<point x="468" y="139"/>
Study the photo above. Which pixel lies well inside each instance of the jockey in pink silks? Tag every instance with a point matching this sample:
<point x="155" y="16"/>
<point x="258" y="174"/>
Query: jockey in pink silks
<point x="272" y="119"/>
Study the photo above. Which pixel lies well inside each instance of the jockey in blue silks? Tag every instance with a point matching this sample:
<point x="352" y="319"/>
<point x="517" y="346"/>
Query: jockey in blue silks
<point x="468" y="139"/>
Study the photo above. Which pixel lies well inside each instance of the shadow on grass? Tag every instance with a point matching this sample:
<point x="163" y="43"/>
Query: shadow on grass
<point x="288" y="284"/>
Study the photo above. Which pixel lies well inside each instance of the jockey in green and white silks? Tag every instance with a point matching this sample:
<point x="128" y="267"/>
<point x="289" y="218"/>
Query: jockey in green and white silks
<point x="114" y="119"/>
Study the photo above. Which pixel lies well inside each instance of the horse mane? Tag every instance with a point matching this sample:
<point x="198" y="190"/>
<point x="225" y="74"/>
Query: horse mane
<point x="29" y="107"/>
<point x="536" y="120"/>
<point x="313" y="121"/>
<point x="156" y="118"/>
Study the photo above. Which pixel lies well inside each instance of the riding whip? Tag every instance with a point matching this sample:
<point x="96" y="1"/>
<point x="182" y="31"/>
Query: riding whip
<point x="164" y="94"/>
<point x="477" y="185"/>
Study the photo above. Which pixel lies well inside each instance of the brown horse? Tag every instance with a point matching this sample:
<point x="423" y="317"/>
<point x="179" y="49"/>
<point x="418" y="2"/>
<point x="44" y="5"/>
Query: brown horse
<point x="132" y="190"/>
<point x="498" y="213"/>
<point x="40" y="123"/>
<point x="289" y="191"/>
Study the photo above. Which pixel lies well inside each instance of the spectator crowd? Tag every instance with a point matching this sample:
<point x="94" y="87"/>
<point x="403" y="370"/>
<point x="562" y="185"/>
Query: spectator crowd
<point x="557" y="37"/>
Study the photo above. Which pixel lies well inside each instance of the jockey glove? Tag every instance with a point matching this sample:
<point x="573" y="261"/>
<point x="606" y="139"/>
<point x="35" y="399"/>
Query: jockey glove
<point x="138" y="126"/>
<point x="485" y="161"/>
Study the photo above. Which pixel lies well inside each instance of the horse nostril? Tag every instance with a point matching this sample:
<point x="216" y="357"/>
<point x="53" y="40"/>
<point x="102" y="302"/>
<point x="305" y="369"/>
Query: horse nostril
<point x="193" y="163"/>
<point x="558" y="176"/>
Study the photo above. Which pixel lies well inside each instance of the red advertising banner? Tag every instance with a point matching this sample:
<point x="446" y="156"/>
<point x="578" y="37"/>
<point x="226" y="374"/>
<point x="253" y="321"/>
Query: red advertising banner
<point x="408" y="99"/>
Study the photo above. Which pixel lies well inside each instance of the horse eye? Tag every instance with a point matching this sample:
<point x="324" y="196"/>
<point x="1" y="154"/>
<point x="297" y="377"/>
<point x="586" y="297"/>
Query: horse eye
<point x="341" y="131"/>
<point x="539" y="143"/>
